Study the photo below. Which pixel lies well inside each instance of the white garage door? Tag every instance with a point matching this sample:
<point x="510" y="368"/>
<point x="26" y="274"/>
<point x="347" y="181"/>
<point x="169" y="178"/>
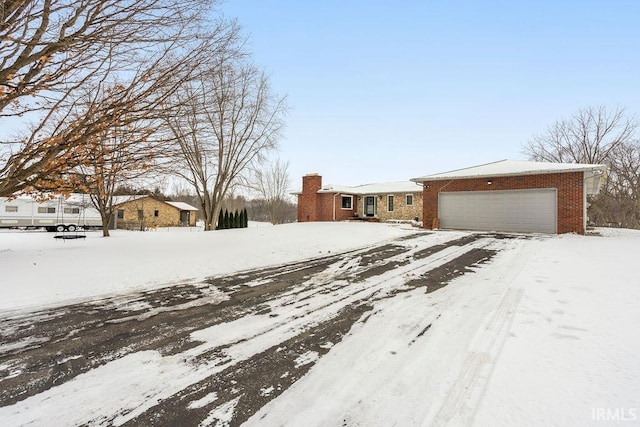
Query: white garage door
<point x="526" y="211"/>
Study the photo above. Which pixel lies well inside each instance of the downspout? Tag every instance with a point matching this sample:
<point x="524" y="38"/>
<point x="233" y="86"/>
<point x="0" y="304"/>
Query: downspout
<point x="421" y="185"/>
<point x="334" y="206"/>
<point x="584" y="203"/>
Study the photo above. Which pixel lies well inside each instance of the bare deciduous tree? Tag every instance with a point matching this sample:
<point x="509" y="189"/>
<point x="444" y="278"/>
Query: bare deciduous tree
<point x="222" y="125"/>
<point x="590" y="136"/>
<point x="271" y="183"/>
<point x="49" y="46"/>
<point x="122" y="152"/>
<point x="618" y="203"/>
<point x="55" y="51"/>
<point x="599" y="136"/>
<point x="259" y="210"/>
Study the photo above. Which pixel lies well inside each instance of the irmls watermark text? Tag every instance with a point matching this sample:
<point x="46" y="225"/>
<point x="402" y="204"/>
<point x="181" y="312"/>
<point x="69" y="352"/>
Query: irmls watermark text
<point x="615" y="414"/>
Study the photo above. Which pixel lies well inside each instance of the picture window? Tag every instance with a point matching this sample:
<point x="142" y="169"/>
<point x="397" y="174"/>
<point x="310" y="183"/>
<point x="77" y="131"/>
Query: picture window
<point x="347" y="202"/>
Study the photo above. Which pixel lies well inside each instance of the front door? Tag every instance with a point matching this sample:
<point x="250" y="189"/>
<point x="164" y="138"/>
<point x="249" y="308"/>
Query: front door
<point x="184" y="218"/>
<point x="369" y="206"/>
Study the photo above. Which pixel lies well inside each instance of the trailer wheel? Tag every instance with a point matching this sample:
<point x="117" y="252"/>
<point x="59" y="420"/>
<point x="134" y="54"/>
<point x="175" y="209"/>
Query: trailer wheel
<point x="60" y="228"/>
<point x="71" y="227"/>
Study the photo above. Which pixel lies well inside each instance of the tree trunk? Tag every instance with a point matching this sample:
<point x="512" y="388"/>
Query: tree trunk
<point x="208" y="221"/>
<point x="105" y="225"/>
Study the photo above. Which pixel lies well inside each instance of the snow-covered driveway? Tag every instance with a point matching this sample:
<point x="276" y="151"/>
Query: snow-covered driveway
<point x="222" y="349"/>
<point x="423" y="329"/>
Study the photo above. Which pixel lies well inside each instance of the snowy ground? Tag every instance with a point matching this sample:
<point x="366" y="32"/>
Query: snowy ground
<point x="542" y="333"/>
<point x="39" y="270"/>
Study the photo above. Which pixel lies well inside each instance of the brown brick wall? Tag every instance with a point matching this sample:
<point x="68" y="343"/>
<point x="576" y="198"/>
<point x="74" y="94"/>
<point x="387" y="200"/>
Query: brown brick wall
<point x="340" y="214"/>
<point x="314" y="206"/>
<point x="308" y="200"/>
<point x="168" y="216"/>
<point x="324" y="208"/>
<point x="569" y="186"/>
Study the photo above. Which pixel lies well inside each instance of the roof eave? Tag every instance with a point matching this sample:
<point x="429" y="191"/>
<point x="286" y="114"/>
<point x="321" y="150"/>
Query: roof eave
<point x="496" y="175"/>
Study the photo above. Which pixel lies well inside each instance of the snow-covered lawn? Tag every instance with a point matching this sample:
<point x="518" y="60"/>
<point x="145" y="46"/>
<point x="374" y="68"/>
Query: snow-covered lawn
<point x="546" y="333"/>
<point x="572" y="354"/>
<point x="38" y="270"/>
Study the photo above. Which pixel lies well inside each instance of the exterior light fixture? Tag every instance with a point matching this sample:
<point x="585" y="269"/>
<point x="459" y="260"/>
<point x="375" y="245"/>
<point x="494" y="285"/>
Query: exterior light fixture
<point x="489" y="182"/>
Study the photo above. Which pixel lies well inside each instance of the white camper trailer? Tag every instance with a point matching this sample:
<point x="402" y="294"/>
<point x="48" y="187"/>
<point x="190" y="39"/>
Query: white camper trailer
<point x="57" y="214"/>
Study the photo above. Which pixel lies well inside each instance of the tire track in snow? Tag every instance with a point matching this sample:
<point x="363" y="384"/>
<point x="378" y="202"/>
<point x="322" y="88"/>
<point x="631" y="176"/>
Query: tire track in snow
<point x="461" y="401"/>
<point x="82" y="337"/>
<point x="327" y="290"/>
<point x="371" y="292"/>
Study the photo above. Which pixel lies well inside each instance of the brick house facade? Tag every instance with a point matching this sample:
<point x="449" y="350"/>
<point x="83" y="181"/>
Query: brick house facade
<point x="571" y="183"/>
<point x="388" y="201"/>
<point x="144" y="212"/>
<point x="570" y="206"/>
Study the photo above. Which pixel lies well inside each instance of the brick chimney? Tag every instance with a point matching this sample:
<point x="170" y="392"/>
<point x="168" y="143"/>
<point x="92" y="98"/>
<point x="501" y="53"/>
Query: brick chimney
<point x="308" y="200"/>
<point x="311" y="183"/>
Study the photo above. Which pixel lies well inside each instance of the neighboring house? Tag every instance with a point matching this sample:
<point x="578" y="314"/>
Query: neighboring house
<point x="512" y="196"/>
<point x="140" y="212"/>
<point x="382" y="202"/>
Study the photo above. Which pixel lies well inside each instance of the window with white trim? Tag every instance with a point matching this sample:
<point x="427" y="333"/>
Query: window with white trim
<point x="44" y="209"/>
<point x="11" y="209"/>
<point x="390" y="203"/>
<point x="72" y="210"/>
<point x="409" y="199"/>
<point x="347" y="202"/>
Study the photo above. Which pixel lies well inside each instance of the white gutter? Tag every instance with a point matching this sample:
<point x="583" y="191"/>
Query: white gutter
<point x="442" y="177"/>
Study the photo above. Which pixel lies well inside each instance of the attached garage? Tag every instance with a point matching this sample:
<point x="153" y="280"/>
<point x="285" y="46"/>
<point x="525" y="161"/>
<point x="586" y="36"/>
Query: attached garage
<point x="511" y="196"/>
<point x="530" y="211"/>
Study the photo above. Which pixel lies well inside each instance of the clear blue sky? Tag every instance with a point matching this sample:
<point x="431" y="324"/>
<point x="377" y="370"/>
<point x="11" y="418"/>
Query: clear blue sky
<point x="387" y="91"/>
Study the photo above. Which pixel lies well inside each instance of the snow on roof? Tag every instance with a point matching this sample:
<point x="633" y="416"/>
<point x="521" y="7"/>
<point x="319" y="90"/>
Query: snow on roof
<point x="182" y="206"/>
<point x="379" y="188"/>
<point x="385" y="187"/>
<point x="513" y="167"/>
<point x="118" y="200"/>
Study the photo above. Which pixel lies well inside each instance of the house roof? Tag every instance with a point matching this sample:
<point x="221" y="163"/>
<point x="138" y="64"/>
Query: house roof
<point x="379" y="188"/>
<point x="182" y="206"/>
<point x="118" y="200"/>
<point x="514" y="168"/>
